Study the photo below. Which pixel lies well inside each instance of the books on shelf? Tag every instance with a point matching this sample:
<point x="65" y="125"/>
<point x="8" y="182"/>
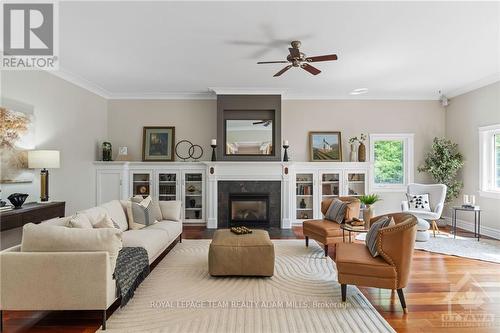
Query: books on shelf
<point x="304" y="189"/>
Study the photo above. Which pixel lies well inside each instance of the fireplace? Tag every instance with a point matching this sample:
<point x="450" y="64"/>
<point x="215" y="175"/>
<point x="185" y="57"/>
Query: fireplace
<point x="249" y="209"/>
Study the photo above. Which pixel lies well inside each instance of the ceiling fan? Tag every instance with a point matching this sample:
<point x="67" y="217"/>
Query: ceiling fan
<point x="264" y="123"/>
<point x="299" y="59"/>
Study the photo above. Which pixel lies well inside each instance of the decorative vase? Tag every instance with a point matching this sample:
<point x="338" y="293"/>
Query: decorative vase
<point x="17" y="199"/>
<point x="353" y="155"/>
<point x="303" y="204"/>
<point x="362" y="152"/>
<point x="367" y="215"/>
<point x="192" y="203"/>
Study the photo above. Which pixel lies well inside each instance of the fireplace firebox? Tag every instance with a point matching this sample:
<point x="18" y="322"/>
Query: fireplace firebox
<point x="249" y="209"/>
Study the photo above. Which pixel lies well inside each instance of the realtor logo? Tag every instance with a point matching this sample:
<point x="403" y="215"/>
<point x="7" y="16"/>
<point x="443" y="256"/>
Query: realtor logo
<point x="29" y="36"/>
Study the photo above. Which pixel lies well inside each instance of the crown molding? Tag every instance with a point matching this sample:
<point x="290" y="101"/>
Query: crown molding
<point x="486" y="81"/>
<point x="81" y="82"/>
<point x="165" y="96"/>
<point x="246" y="91"/>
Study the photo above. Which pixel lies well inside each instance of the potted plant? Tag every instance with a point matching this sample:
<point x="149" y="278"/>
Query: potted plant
<point x="368" y="200"/>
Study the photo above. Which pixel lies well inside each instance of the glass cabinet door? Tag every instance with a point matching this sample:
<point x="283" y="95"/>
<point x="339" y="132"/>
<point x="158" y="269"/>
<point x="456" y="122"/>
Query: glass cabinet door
<point x="356" y="183"/>
<point x="193" y="196"/>
<point x="304" y="196"/>
<point x="330" y="185"/>
<point x="141" y="184"/>
<point x="167" y="186"/>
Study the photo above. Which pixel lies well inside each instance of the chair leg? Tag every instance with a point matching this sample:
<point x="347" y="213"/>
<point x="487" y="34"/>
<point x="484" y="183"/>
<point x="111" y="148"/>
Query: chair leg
<point x="180" y="238"/>
<point x="435" y="228"/>
<point x="307" y="241"/>
<point x="104" y="320"/>
<point x="402" y="300"/>
<point x="343" y="289"/>
<point x="326" y="250"/>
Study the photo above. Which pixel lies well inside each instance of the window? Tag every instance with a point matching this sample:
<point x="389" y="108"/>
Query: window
<point x="489" y="161"/>
<point x="392" y="157"/>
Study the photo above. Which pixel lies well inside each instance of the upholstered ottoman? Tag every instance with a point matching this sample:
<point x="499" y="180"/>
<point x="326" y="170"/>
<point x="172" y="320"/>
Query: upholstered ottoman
<point x="245" y="255"/>
<point x="423" y="234"/>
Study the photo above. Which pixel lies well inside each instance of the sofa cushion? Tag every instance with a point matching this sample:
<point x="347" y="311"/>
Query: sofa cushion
<point x="50" y="238"/>
<point x="153" y="240"/>
<point x="372" y="234"/>
<point x="58" y="221"/>
<point x="95" y="214"/>
<point x="354" y="258"/>
<point x="323" y="228"/>
<point x="173" y="228"/>
<point x="116" y="212"/>
<point x="171" y="210"/>
<point x="106" y="222"/>
<point x="336" y="212"/>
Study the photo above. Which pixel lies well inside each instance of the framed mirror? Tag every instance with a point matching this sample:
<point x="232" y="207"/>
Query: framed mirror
<point x="249" y="137"/>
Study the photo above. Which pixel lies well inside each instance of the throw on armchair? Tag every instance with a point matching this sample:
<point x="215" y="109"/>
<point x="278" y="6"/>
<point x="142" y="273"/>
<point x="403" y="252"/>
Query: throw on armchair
<point x="437" y="196"/>
<point x="389" y="270"/>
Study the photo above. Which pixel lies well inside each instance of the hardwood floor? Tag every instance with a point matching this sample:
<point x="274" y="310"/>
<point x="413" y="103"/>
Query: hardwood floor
<point x="433" y="276"/>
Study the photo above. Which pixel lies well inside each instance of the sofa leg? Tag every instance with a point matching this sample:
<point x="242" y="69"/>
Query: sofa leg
<point x="326" y="250"/>
<point x="180" y="238"/>
<point x="104" y="320"/>
<point x="307" y="241"/>
<point x="343" y="289"/>
<point x="402" y="300"/>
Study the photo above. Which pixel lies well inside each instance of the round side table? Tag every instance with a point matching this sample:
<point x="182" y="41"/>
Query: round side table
<point x="350" y="228"/>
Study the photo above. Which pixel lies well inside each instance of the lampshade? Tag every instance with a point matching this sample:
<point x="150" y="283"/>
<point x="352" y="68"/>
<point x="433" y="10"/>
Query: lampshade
<point x="43" y="159"/>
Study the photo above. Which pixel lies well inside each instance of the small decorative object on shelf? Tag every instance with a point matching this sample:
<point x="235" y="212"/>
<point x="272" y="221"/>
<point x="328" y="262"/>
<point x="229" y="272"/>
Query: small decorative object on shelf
<point x="106" y="152"/>
<point x="213" y="144"/>
<point x="285" y="146"/>
<point x="17" y="199"/>
<point x="122" y="154"/>
<point x="361" y="148"/>
<point x="185" y="150"/>
<point x="241" y="230"/>
<point x="302" y="203"/>
<point x="368" y="201"/>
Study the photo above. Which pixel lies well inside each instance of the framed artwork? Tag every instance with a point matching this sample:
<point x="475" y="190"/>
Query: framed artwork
<point x="158" y="144"/>
<point x="325" y="146"/>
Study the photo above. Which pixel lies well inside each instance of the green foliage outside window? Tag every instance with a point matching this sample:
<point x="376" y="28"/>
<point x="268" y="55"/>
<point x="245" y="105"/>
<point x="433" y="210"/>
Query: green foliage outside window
<point x="389" y="162"/>
<point x="443" y="163"/>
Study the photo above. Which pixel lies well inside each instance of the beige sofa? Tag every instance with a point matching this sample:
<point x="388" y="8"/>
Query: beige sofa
<point x="80" y="280"/>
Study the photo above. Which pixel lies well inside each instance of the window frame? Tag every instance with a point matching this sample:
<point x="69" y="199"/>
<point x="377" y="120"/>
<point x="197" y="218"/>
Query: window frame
<point x="487" y="161"/>
<point x="408" y="161"/>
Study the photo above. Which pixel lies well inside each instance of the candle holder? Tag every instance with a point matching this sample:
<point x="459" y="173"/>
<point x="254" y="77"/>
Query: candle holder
<point x="285" y="156"/>
<point x="214" y="157"/>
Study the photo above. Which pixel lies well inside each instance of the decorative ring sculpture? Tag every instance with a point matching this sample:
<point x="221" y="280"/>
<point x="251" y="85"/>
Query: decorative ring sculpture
<point x="194" y="151"/>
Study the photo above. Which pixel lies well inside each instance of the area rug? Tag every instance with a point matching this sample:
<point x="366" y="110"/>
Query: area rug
<point x="303" y="296"/>
<point x="465" y="247"/>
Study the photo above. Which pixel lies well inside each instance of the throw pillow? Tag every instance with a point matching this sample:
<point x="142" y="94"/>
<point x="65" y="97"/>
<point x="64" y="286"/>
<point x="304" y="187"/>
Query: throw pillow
<point x="171" y="210"/>
<point x="80" y="221"/>
<point x="372" y="234"/>
<point x="140" y="214"/>
<point x="336" y="211"/>
<point x="419" y="202"/>
<point x="106" y="222"/>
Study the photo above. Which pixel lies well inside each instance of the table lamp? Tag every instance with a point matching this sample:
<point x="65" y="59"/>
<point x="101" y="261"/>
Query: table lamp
<point x="43" y="159"/>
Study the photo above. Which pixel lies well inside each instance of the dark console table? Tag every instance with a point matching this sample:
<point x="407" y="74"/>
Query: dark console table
<point x="30" y="213"/>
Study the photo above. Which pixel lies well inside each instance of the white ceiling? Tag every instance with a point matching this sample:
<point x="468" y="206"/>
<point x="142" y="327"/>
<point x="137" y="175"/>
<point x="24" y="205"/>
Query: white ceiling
<point x="398" y="50"/>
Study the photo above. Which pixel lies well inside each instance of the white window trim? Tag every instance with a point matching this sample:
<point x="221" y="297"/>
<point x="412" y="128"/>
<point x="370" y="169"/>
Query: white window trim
<point x="408" y="149"/>
<point x="487" y="187"/>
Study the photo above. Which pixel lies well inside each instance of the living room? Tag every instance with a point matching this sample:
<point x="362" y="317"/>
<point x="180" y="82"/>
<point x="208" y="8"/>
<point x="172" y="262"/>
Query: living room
<point x="293" y="166"/>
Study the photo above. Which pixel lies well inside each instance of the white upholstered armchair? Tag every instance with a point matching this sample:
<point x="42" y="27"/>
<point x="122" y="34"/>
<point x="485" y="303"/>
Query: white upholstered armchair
<point x="437" y="196"/>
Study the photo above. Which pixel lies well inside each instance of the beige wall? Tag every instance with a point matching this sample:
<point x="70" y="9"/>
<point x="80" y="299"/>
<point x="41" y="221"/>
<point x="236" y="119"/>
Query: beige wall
<point x="67" y="118"/>
<point x="464" y="115"/>
<point x="196" y="121"/>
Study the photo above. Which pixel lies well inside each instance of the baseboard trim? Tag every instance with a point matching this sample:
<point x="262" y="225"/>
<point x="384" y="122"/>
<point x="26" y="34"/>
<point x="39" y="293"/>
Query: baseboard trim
<point x="469" y="226"/>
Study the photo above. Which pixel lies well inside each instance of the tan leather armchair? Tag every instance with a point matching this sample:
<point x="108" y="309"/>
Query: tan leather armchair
<point x="391" y="269"/>
<point x="327" y="232"/>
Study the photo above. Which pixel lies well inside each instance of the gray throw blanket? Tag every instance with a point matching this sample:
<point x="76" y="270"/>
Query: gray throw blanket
<point x="132" y="267"/>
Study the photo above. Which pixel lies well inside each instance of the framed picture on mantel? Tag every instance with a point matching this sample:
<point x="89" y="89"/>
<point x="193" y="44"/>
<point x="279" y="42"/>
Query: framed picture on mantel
<point x="158" y="144"/>
<point x="325" y="146"/>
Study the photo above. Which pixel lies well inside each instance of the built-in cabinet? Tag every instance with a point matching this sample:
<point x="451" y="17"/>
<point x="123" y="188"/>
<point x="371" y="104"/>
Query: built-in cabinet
<point x="304" y="184"/>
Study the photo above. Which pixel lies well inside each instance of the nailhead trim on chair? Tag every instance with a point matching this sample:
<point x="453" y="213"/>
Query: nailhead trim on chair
<point x="398" y="227"/>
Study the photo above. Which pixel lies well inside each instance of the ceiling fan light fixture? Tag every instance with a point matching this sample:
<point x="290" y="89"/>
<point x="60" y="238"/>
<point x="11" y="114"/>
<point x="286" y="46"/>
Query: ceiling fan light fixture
<point x="359" y="91"/>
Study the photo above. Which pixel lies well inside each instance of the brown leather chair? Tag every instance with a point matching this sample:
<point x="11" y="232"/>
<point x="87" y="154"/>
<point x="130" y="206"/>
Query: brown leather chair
<point x="327" y="232"/>
<point x="391" y="269"/>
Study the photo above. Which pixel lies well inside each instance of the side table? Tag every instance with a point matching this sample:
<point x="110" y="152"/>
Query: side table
<point x="477" y="220"/>
<point x="349" y="228"/>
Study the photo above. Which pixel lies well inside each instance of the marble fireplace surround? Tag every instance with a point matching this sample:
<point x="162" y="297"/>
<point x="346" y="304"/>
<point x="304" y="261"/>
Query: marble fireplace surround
<point x="224" y="177"/>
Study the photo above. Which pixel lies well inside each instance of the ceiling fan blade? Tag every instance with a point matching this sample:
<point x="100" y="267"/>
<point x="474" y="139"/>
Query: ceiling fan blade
<point x="311" y="69"/>
<point x="295" y="53"/>
<point x="272" y="62"/>
<point x="283" y="70"/>
<point x="258" y="122"/>
<point x="328" y="57"/>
